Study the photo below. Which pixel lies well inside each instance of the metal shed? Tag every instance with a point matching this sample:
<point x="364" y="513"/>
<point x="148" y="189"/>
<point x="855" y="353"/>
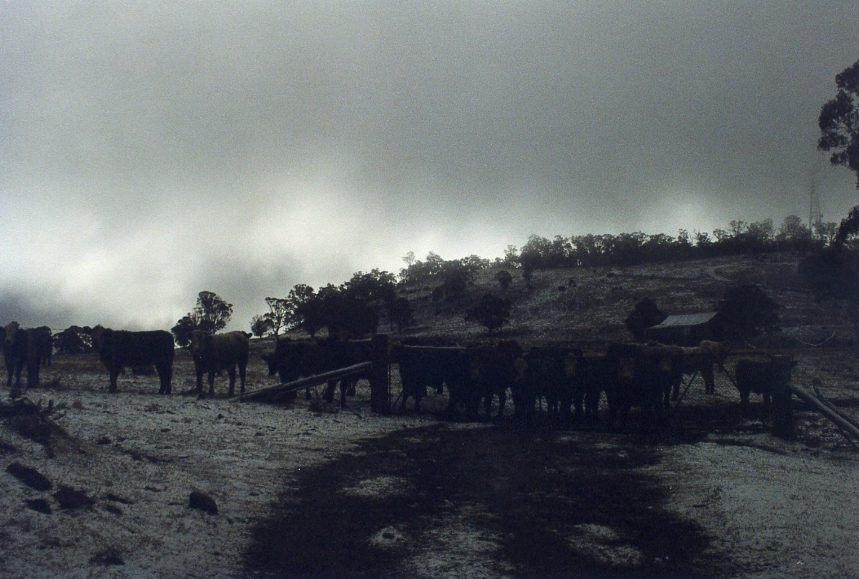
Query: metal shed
<point x="686" y="329"/>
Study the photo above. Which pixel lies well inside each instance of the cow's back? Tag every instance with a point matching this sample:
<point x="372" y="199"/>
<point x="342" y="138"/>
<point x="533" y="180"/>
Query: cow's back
<point x="126" y="348"/>
<point x="231" y="348"/>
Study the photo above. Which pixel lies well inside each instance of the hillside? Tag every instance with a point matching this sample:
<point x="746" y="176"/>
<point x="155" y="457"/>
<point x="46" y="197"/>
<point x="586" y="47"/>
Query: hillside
<point x="588" y="305"/>
<point x="101" y="484"/>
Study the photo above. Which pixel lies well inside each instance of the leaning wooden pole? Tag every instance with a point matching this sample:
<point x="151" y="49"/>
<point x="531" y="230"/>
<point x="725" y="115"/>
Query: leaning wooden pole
<point x="274" y="392"/>
<point x="825" y="410"/>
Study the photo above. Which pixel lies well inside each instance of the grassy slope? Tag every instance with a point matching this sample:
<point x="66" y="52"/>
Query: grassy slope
<point x="594" y="307"/>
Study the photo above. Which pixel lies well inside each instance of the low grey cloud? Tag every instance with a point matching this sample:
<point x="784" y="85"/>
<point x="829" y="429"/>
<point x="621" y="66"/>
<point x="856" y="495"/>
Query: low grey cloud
<point x="154" y="150"/>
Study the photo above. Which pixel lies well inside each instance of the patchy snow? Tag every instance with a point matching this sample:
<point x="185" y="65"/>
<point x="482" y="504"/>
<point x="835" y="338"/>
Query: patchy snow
<point x="778" y="510"/>
<point x="770" y="508"/>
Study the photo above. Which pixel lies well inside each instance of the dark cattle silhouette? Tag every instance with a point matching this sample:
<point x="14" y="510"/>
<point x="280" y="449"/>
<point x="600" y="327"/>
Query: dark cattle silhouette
<point x="699" y="359"/>
<point x="431" y="367"/>
<point x="24" y="347"/>
<point x="213" y="353"/>
<point x="120" y="349"/>
<point x="46" y="344"/>
<point x="491" y="371"/>
<point x="294" y="359"/>
<point x="591" y="375"/>
<point x="644" y="376"/>
<point x="343" y="353"/>
<point x="762" y="376"/>
<point x="545" y="376"/>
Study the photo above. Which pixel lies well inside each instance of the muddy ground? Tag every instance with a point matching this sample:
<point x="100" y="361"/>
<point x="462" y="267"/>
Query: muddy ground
<point x="310" y="489"/>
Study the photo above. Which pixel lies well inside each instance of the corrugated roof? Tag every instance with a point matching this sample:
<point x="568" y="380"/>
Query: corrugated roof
<point x="684" y="320"/>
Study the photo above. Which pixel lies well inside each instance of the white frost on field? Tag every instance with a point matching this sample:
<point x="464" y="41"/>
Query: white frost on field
<point x="380" y="486"/>
<point x="139" y="456"/>
<point x="794" y="512"/>
<point x="777" y="512"/>
<point x="600" y="544"/>
<point x="457" y="548"/>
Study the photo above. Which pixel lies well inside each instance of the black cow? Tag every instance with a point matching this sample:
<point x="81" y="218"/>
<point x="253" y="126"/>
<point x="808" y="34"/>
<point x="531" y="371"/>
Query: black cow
<point x="294" y="359"/>
<point x="120" y="349"/>
<point x="491" y="371"/>
<point x="644" y="376"/>
<point x="431" y="367"/>
<point x="591" y="375"/>
<point x="24" y="347"/>
<point x="762" y="377"/>
<point x="545" y="376"/>
<point x="213" y="353"/>
<point x="699" y="359"/>
<point x="343" y="353"/>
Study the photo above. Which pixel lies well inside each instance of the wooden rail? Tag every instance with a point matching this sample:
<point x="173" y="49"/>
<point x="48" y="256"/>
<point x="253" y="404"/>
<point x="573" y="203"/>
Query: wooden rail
<point x="274" y="392"/>
<point x="833" y="415"/>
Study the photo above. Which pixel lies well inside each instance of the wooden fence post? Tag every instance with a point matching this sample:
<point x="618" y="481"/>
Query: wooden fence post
<point x="782" y="410"/>
<point x="380" y="387"/>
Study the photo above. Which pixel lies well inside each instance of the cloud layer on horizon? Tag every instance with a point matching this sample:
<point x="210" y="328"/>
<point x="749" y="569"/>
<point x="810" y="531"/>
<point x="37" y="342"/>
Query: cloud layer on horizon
<point x="152" y="151"/>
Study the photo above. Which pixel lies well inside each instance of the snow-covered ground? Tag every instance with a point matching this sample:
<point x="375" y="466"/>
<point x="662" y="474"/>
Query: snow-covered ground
<point x="769" y="508"/>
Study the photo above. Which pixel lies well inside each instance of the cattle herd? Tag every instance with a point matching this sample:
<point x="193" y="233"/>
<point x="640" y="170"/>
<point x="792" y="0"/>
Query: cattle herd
<point x="570" y="382"/>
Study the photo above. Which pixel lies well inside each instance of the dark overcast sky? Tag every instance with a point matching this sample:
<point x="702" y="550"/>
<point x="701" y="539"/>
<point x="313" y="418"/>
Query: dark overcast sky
<point x="152" y="150"/>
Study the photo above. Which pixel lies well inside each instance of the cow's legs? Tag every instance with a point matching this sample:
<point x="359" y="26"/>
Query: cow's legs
<point x="709" y="380"/>
<point x="33" y="372"/>
<point x="232" y="374"/>
<point x="164" y="376"/>
<point x="242" y="375"/>
<point x="329" y="391"/>
<point x="114" y="374"/>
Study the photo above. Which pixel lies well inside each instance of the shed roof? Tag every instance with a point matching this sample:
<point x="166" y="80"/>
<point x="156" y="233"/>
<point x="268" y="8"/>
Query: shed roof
<point x="685" y="320"/>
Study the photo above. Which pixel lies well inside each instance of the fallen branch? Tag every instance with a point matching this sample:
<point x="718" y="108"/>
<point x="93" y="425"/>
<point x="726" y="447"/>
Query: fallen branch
<point x="275" y="392"/>
<point x="834" y="417"/>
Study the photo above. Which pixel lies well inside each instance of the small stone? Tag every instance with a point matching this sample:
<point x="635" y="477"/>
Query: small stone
<point x="203" y="502"/>
<point x="70" y="498"/>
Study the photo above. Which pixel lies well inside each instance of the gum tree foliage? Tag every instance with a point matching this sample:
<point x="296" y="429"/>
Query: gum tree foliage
<point x="434" y="268"/>
<point x="644" y="315"/>
<point x="302" y="308"/>
<point x="349" y="310"/>
<point x="260" y="326"/>
<point x="504" y="279"/>
<point x="279" y="314"/>
<point x="401" y="314"/>
<point x="839" y="121"/>
<point x="832" y="273"/>
<point x="491" y="312"/>
<point x="73" y="340"/>
<point x="747" y="311"/>
<point x="210" y="314"/>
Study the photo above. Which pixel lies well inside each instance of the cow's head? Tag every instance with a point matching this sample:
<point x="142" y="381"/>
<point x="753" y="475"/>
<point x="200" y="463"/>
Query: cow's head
<point x="279" y="354"/>
<point x="98" y="335"/>
<point x="11" y="331"/>
<point x="200" y="341"/>
<point x="781" y="368"/>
